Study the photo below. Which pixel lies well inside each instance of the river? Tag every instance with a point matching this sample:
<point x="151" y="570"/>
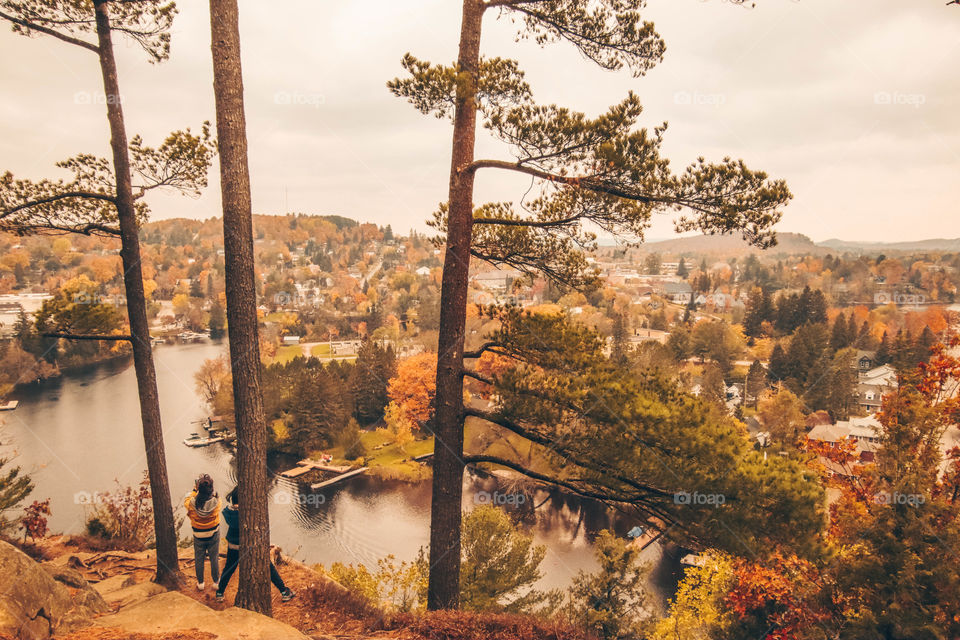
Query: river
<point x="81" y="435"/>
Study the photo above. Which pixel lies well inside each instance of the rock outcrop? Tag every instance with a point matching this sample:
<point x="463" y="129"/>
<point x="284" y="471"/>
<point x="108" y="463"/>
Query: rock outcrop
<point x="38" y="600"/>
<point x="172" y="611"/>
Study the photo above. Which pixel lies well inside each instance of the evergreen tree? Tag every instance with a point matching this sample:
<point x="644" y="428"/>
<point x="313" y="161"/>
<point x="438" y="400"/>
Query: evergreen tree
<point x="682" y="271"/>
<point x="651" y="265"/>
<point x="755" y="383"/>
<point x="218" y="320"/>
<point x="600" y="170"/>
<point x="779" y="367"/>
<point x="759" y="310"/>
<point x="619" y="339"/>
<point x="885" y="350"/>
<point x="371" y="373"/>
<point x="253" y="591"/>
<point x="839" y="336"/>
<point x="102" y="199"/>
<point x="807" y="347"/>
<point x="610" y="602"/>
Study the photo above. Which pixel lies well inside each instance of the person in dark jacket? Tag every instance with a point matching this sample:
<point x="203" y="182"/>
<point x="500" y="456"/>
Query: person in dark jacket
<point x="231" y="515"/>
<point x="203" y="510"/>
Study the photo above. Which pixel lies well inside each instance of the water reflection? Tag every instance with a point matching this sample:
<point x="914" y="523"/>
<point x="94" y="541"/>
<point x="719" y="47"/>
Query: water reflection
<point x="82" y="432"/>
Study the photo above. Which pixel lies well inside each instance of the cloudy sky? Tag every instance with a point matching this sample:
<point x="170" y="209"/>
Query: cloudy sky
<point x="854" y="103"/>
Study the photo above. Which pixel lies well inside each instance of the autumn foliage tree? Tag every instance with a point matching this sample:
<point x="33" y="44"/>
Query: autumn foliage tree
<point x="603" y="170"/>
<point x="411" y="392"/>
<point x="105" y="196"/>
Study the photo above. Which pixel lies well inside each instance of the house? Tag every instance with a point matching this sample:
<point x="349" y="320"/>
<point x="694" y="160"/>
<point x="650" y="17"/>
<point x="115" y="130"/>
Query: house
<point x="866" y="360"/>
<point x="649" y="335"/>
<point x="677" y="292"/>
<point x="291" y="340"/>
<point x="423" y="271"/>
<point x="864" y="432"/>
<point x="873" y="385"/>
<point x="496" y="280"/>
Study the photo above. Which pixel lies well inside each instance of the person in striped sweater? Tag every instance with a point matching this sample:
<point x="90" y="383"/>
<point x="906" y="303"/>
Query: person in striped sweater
<point x="203" y="509"/>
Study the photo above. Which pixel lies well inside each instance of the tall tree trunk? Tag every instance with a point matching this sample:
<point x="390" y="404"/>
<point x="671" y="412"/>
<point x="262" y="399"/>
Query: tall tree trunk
<point x="254" y="588"/>
<point x="445" y="515"/>
<point x="168" y="570"/>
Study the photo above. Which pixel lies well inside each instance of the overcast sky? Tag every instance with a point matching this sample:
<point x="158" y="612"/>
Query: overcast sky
<point x="854" y="103"/>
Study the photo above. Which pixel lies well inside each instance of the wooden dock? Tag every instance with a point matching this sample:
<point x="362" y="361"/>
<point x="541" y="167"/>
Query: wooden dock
<point x="340" y="472"/>
<point x="650" y="534"/>
<point x="9" y="406"/>
<point x="342" y="476"/>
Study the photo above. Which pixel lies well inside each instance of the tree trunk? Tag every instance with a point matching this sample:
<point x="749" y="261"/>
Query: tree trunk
<point x="254" y="587"/>
<point x="445" y="515"/>
<point x="168" y="570"/>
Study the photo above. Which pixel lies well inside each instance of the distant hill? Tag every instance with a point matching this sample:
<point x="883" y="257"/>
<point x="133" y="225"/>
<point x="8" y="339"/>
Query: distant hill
<point x="933" y="244"/>
<point x="789" y="243"/>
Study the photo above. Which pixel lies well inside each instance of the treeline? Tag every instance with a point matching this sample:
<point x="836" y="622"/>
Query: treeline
<point x="785" y="313"/>
<point x="311" y="405"/>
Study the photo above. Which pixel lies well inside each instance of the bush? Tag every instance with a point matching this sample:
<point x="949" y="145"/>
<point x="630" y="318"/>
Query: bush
<point x="124" y="516"/>
<point x="463" y="625"/>
<point x="396" y="586"/>
<point x="329" y="596"/>
<point x="351" y="441"/>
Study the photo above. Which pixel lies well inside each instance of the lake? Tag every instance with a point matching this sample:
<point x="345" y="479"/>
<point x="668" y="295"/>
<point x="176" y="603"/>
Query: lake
<point x="80" y="434"/>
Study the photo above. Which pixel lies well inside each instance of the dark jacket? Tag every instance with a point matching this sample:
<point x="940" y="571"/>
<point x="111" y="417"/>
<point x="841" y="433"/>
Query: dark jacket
<point x="232" y="517"/>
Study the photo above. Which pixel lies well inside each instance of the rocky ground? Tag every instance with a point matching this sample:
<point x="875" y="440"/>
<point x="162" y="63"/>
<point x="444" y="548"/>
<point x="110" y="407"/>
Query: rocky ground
<point x="77" y="594"/>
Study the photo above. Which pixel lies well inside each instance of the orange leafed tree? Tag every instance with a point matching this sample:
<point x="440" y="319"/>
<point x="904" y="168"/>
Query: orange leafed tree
<point x="411" y="391"/>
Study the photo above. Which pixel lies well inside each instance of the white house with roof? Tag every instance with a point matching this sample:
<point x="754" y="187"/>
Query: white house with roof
<point x="872" y="385"/>
<point x="864" y="432"/>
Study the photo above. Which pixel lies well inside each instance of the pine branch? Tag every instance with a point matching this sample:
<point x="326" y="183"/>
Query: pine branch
<point x="32" y="26"/>
<point x="89" y="336"/>
<point x="551" y="445"/>
<point x="89" y="195"/>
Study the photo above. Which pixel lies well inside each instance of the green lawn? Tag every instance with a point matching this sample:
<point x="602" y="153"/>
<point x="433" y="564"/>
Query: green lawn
<point x="287" y="353"/>
<point x="322" y="349"/>
<point x="387" y="460"/>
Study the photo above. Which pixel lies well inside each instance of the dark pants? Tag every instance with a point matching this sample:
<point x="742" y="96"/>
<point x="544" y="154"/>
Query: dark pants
<point x="233" y="559"/>
<point x="204" y="548"/>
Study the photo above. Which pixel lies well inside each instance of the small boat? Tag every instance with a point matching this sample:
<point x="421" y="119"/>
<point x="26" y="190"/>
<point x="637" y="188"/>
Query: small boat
<point x="10" y="406"/>
<point x="196" y="440"/>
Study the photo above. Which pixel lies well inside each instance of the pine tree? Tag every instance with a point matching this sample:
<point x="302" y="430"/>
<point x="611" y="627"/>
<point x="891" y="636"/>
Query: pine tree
<point x="253" y="591"/>
<point x="682" y="271"/>
<point x="102" y="199"/>
<point x="885" y="350"/>
<point x="755" y="383"/>
<point x="759" y="310"/>
<point x="619" y="339"/>
<point x="839" y="336"/>
<point x="779" y="368"/>
<point x="600" y="170"/>
<point x="371" y="373"/>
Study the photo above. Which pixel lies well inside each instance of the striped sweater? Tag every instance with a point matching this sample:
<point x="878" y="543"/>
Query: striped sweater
<point x="204" y="519"/>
